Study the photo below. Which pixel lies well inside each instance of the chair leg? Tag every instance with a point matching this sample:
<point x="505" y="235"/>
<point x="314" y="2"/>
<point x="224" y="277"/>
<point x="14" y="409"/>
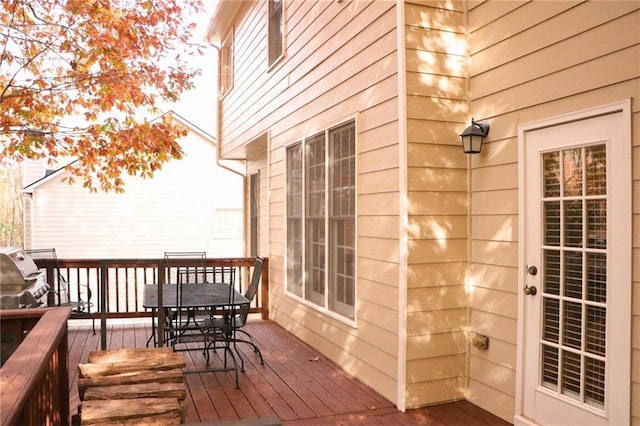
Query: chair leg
<point x="235" y="348"/>
<point x="252" y="342"/>
<point x="235" y="364"/>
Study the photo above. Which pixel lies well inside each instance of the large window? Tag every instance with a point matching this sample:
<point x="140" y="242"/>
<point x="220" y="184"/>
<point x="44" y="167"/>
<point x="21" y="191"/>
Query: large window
<point x="276" y="30"/>
<point x="321" y="202"/>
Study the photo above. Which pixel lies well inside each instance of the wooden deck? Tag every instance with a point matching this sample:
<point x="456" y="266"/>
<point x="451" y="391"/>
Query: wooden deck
<point x="296" y="386"/>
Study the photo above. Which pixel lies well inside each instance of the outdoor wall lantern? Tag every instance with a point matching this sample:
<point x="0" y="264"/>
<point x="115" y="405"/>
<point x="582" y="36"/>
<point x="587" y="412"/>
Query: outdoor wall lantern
<point x="474" y="135"/>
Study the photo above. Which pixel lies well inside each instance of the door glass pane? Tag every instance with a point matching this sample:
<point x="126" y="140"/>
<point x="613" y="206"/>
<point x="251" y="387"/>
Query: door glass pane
<point x="551" y="322"/>
<point x="597" y="224"/>
<point x="596" y="330"/>
<point x="552" y="223"/>
<point x="594" y="383"/>
<point x="550" y="367"/>
<point x="574" y="296"/>
<point x="573" y="223"/>
<point x="551" y="272"/>
<point x="597" y="277"/>
<point x="572" y="326"/>
<point x="571" y="374"/>
<point x="596" y="170"/>
<point x="572" y="169"/>
<point x="573" y="274"/>
<point x="551" y="165"/>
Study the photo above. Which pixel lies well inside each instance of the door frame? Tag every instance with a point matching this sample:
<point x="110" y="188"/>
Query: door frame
<point x="623" y="107"/>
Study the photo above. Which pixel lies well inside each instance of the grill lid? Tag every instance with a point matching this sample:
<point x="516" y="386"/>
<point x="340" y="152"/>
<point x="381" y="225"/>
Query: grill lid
<point x="17" y="270"/>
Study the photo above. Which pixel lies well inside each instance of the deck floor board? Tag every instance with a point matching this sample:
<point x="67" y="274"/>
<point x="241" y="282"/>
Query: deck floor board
<point x="296" y="384"/>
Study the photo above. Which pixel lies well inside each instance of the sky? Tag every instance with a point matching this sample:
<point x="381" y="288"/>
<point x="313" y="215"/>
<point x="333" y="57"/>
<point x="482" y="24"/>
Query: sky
<point x="198" y="106"/>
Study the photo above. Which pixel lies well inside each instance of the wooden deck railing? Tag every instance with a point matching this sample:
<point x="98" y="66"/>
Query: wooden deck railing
<point x="117" y="285"/>
<point x="35" y="377"/>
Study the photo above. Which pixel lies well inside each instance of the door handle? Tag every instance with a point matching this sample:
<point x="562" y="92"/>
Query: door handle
<point x="530" y="290"/>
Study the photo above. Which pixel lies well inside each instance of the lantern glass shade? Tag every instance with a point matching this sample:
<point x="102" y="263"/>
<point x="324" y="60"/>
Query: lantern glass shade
<point x="473" y="136"/>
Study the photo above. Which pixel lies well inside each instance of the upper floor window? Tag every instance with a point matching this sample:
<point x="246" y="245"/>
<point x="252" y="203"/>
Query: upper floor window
<point x="276" y="30"/>
<point x="321" y="209"/>
<point x="226" y="64"/>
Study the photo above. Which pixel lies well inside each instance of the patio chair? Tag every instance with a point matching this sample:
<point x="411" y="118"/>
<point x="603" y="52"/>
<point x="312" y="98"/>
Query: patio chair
<point x="81" y="302"/>
<point x="218" y="333"/>
<point x="239" y="319"/>
<point x="183" y="268"/>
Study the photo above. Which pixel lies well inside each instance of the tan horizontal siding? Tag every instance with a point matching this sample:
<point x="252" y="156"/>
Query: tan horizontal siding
<point x="436" y="201"/>
<point x="340" y="64"/>
<point x="528" y="61"/>
<point x="437" y="368"/>
<point x="492" y="400"/>
<point x="435" y="391"/>
<point x="379" y="226"/>
<point x="321" y="62"/>
<point x="437" y="228"/>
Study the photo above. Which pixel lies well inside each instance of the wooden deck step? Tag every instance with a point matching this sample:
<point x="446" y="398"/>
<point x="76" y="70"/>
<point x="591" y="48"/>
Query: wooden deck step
<point x="145" y="411"/>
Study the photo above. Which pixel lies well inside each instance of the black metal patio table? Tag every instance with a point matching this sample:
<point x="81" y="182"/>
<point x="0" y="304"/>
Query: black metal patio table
<point x="194" y="296"/>
<point x="202" y="295"/>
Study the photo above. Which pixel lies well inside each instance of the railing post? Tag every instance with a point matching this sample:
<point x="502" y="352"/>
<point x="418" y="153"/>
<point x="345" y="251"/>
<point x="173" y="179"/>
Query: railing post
<point x="161" y="316"/>
<point x="264" y="301"/>
<point x="103" y="306"/>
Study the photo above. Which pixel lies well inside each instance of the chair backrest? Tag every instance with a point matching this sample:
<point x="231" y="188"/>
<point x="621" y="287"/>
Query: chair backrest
<point x="222" y="274"/>
<point x="191" y="275"/>
<point x="251" y="291"/>
<point x="48" y="258"/>
<point x="175" y="264"/>
<point x="255" y="279"/>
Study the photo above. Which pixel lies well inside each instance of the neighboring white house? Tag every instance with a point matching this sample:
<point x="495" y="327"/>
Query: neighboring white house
<point x="194" y="204"/>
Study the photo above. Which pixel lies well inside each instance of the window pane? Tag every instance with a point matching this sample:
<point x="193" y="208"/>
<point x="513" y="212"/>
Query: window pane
<point x="315" y="152"/>
<point x="226" y="64"/>
<point x="342" y="219"/>
<point x="294" y="219"/>
<point x="276" y="29"/>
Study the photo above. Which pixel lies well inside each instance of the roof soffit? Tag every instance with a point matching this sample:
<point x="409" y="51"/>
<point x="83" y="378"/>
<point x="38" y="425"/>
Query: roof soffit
<point x="222" y="20"/>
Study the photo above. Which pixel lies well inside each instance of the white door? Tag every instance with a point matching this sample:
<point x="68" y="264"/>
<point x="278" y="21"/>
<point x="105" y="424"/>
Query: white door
<point x="576" y="270"/>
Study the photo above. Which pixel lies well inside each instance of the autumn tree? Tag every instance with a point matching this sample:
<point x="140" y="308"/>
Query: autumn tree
<point x="82" y="79"/>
